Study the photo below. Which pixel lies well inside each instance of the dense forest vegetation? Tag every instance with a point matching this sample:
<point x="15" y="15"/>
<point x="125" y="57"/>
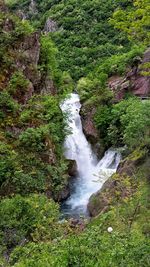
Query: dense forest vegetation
<point x="94" y="41"/>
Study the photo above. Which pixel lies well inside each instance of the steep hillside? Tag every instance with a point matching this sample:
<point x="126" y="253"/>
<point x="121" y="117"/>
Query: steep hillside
<point x="83" y="35"/>
<point x="49" y="48"/>
<point x="32" y="127"/>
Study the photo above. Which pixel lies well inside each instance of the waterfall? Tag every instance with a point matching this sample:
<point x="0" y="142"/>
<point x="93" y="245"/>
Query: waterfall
<point x="91" y="174"/>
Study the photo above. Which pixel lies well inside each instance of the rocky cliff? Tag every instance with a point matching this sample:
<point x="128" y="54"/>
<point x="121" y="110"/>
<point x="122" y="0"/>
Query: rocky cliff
<point x="136" y="80"/>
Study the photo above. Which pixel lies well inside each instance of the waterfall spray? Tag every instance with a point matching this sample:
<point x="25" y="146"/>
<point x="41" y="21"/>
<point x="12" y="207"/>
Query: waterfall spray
<point x="91" y="174"/>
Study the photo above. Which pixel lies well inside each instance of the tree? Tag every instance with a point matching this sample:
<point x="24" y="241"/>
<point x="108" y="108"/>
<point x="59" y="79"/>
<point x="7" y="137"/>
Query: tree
<point x="135" y="22"/>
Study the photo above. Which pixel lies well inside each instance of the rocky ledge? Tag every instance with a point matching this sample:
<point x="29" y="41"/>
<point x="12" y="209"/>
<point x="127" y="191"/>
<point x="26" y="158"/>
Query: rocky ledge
<point x="136" y="80"/>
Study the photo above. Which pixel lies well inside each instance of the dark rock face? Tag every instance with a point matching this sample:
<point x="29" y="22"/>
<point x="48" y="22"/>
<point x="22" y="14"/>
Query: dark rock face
<point x="31" y="47"/>
<point x="27" y="60"/>
<point x="136" y="81"/>
<point x="88" y="124"/>
<point x="63" y="194"/>
<point x="115" y="188"/>
<point x="28" y="52"/>
<point x="72" y="167"/>
<point x="90" y="131"/>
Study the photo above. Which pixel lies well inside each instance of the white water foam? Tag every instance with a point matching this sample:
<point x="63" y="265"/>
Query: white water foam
<point x="91" y="173"/>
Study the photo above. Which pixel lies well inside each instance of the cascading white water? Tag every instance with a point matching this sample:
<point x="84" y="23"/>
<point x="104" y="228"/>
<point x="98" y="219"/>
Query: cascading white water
<point x="91" y="173"/>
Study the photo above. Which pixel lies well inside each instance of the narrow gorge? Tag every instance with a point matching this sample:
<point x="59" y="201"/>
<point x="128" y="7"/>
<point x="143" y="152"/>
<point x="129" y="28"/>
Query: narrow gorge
<point x="74" y="133"/>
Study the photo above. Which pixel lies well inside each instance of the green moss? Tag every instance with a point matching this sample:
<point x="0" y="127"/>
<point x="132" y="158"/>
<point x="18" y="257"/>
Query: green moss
<point x="138" y="154"/>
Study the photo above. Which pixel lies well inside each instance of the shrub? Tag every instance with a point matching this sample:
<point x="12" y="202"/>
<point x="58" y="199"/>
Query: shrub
<point x="18" y="83"/>
<point x="33" y="217"/>
<point x="127" y="122"/>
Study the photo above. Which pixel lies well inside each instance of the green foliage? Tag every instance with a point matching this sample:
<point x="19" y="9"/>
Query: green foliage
<point x="18" y="29"/>
<point x="34" y="217"/>
<point x="136" y="122"/>
<point x="7" y="163"/>
<point x="84" y="34"/>
<point x="32" y="134"/>
<point x="18" y="83"/>
<point x="117" y="64"/>
<point x="94" y="90"/>
<point x="8" y="107"/>
<point x="125" y="246"/>
<point x="66" y="84"/>
<point x="45" y="110"/>
<point x="48" y="56"/>
<point x="135" y="22"/>
<point x="25" y="165"/>
<point x="127" y="122"/>
<point x="94" y="87"/>
<point x="34" y="138"/>
<point x="117" y="249"/>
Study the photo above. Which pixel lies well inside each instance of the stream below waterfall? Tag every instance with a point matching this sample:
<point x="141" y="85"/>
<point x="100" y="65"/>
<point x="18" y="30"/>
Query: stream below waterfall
<point x="91" y="173"/>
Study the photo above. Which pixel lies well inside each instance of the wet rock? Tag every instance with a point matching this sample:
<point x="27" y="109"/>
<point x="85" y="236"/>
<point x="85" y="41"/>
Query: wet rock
<point x="90" y="131"/>
<point x="63" y="194"/>
<point x="88" y="123"/>
<point x="72" y="167"/>
<point x="99" y="202"/>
